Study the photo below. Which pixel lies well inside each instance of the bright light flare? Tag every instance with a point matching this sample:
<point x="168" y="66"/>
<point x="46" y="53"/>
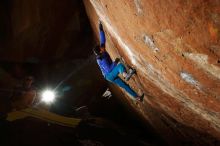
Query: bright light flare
<point x="48" y="96"/>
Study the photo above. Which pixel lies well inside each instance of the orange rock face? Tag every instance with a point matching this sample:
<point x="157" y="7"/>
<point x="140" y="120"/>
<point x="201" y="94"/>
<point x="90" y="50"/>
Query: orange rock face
<point x="174" y="45"/>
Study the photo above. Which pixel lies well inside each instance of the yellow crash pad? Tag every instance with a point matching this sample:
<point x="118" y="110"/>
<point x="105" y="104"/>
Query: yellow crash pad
<point x="43" y="115"/>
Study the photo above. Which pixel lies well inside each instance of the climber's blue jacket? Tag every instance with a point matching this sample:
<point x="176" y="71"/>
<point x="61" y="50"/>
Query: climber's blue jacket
<point x="104" y="61"/>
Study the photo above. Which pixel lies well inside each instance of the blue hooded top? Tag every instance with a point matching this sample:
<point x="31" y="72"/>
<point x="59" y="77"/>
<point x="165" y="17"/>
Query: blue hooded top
<point x="104" y="61"/>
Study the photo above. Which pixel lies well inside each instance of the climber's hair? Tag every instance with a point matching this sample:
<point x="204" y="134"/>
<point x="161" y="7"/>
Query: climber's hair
<point x="102" y="46"/>
<point x="97" y="50"/>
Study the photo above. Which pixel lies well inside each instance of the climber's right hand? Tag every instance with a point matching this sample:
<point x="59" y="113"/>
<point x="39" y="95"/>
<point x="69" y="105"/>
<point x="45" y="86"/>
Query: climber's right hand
<point x="100" y="26"/>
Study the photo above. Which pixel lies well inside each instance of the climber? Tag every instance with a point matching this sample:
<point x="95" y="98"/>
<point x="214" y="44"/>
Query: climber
<point x="110" y="69"/>
<point x="24" y="94"/>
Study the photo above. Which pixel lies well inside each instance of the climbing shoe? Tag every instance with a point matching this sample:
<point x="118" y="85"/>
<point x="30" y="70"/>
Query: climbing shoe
<point x="130" y="73"/>
<point x="140" y="98"/>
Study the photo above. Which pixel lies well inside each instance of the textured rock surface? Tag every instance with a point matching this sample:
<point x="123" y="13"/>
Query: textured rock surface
<point x="42" y="30"/>
<point x="174" y="45"/>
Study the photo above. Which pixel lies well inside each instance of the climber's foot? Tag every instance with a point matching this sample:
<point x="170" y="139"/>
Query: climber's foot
<point x="130" y="73"/>
<point x="140" y="98"/>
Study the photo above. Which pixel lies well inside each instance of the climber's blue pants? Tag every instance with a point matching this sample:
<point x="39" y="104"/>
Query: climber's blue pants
<point x="113" y="77"/>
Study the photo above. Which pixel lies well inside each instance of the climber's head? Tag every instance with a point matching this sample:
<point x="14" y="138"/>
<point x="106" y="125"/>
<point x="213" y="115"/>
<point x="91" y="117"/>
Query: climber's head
<point x="102" y="47"/>
<point x="97" y="50"/>
<point x="27" y="82"/>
